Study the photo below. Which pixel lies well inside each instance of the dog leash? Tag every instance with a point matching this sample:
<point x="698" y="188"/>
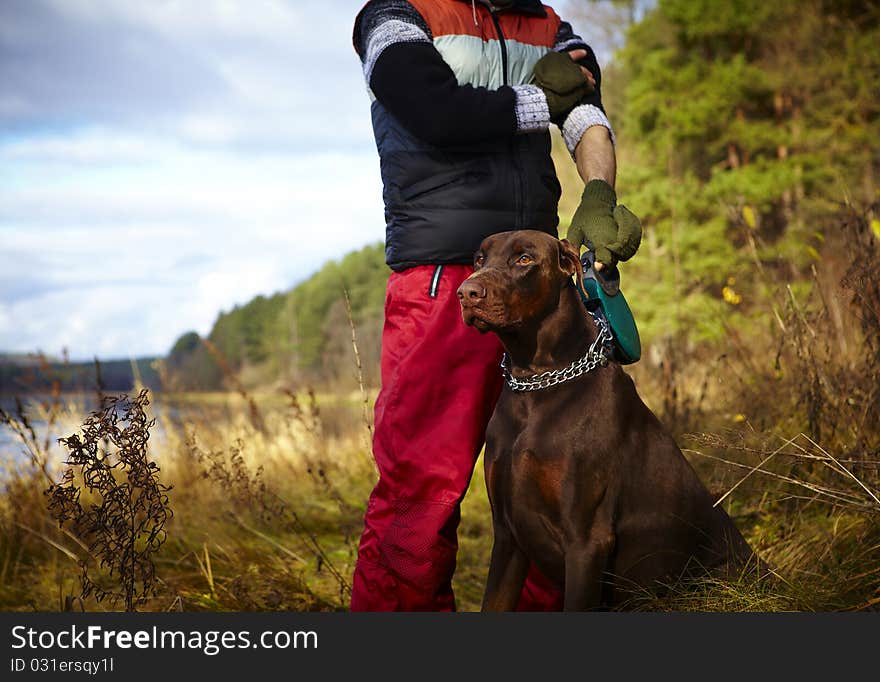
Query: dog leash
<point x="596" y="356"/>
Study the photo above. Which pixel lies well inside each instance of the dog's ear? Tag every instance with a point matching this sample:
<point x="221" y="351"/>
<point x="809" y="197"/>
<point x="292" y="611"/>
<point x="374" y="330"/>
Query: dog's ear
<point x="570" y="263"/>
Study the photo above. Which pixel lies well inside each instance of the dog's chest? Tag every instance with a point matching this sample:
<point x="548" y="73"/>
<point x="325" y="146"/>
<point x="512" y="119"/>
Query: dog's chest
<point x="525" y="472"/>
<point x="527" y="493"/>
<point x="522" y="438"/>
<point x="534" y="466"/>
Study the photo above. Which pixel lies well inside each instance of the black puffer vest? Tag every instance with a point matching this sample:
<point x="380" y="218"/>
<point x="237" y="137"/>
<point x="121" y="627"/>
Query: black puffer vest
<point x="440" y="203"/>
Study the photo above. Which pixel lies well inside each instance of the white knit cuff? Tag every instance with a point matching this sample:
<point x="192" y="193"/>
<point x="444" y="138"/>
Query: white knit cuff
<point x="582" y="117"/>
<point x="385" y="35"/>
<point x="532" y="112"/>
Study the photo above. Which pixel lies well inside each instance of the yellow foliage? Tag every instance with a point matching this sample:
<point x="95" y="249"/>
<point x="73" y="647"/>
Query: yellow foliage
<point x="730" y="296"/>
<point x="748" y="214"/>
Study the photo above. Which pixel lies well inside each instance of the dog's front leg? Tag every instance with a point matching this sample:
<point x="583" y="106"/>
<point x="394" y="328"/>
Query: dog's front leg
<point x="585" y="564"/>
<point x="507" y="572"/>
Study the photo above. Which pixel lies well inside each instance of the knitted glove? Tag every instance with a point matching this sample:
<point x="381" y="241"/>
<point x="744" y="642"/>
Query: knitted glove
<point x="563" y="83"/>
<point x="612" y="232"/>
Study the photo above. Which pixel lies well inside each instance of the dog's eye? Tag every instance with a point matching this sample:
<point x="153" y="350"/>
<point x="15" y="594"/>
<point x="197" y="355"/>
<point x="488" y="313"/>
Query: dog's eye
<point x="478" y="261"/>
<point x="525" y="259"/>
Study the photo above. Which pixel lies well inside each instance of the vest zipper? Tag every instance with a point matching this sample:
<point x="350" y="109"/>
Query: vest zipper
<point x="502" y="44"/>
<point x="514" y="152"/>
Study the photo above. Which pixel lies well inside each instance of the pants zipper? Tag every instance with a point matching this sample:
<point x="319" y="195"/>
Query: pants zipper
<point x="435" y="281"/>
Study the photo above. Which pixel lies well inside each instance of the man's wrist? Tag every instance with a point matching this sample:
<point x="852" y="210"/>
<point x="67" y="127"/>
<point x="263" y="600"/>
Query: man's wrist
<point x="581" y="118"/>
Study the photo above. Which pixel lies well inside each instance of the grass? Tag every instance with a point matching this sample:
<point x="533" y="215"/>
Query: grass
<point x="269" y="519"/>
<point x="262" y="518"/>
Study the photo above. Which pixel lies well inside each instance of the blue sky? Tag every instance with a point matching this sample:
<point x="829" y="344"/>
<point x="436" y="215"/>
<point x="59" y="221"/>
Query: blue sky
<point x="161" y="161"/>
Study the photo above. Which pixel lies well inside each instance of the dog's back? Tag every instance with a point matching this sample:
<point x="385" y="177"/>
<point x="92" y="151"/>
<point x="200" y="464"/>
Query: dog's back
<point x="668" y="524"/>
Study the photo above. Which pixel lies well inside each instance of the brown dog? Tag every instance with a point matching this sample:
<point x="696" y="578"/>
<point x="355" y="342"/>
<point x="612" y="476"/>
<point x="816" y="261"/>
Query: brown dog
<point x="583" y="480"/>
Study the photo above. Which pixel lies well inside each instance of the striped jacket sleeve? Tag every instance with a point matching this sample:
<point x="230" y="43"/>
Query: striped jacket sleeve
<point x="590" y="112"/>
<point x="410" y="78"/>
<point x="382" y="24"/>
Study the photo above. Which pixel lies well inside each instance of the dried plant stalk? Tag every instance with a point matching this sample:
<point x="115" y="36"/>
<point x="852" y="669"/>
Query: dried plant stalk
<point x="123" y="519"/>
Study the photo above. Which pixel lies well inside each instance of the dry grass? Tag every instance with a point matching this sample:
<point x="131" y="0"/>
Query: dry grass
<point x="812" y="520"/>
<point x="264" y="517"/>
<point x="789" y="439"/>
<point x="269" y="518"/>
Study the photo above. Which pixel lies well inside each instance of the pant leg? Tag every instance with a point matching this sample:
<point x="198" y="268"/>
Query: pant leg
<point x="440" y="382"/>
<point x="539" y="593"/>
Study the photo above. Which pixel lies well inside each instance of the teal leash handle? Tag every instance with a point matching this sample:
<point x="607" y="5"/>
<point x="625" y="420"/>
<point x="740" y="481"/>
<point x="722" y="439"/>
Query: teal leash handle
<point x="604" y="287"/>
<point x="608" y="279"/>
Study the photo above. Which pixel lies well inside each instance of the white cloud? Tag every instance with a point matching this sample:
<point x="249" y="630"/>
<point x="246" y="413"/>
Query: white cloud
<point x="162" y="161"/>
<point x="107" y="315"/>
<point x="206" y="19"/>
<point x="176" y="232"/>
<point x="110" y="322"/>
<point x="171" y="185"/>
<point x="88" y="146"/>
<point x="265" y="75"/>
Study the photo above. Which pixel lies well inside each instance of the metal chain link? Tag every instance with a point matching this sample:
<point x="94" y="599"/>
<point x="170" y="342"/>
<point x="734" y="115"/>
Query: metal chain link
<point x="596" y="356"/>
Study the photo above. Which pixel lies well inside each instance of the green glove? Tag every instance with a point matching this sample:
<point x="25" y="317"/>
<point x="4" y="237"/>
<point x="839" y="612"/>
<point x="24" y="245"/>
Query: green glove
<point x="612" y="232"/>
<point x="563" y="83"/>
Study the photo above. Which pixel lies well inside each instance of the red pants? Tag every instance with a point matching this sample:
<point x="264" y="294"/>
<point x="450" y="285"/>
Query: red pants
<point x="440" y="382"/>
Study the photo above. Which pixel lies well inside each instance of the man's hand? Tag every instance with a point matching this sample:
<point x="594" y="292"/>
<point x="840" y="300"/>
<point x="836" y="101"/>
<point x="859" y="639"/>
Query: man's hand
<point x="612" y="232"/>
<point x="563" y="82"/>
<point x="576" y="56"/>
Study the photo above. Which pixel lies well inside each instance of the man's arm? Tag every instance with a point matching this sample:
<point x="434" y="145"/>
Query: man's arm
<point x="411" y="79"/>
<point x="596" y="161"/>
<point x="595" y="157"/>
<point x="586" y="130"/>
<point x="609" y="229"/>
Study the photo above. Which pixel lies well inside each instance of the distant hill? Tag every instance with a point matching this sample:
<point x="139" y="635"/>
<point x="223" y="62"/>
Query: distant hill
<point x="302" y="334"/>
<point x="299" y="335"/>
<point x="24" y="359"/>
<point x="23" y="374"/>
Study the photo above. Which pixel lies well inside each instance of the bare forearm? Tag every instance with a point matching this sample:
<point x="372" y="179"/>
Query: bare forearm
<point x="594" y="156"/>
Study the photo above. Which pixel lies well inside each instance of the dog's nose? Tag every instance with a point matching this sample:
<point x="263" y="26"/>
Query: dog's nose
<point x="471" y="290"/>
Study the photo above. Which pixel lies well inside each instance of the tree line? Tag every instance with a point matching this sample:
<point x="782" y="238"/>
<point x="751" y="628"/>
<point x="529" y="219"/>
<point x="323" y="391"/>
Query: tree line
<point x="301" y="335"/>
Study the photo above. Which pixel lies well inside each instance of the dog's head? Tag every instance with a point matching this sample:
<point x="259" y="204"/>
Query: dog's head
<point x="517" y="279"/>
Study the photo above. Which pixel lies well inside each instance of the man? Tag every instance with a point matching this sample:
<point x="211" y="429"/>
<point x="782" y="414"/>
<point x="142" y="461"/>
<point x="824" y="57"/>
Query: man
<point x="463" y="95"/>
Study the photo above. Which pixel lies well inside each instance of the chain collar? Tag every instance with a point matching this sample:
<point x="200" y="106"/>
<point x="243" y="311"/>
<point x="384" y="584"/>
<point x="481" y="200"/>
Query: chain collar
<point x="596" y="356"/>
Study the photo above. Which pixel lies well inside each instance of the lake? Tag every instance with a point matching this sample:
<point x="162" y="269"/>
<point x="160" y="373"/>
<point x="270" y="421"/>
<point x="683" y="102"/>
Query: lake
<point x="74" y="409"/>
